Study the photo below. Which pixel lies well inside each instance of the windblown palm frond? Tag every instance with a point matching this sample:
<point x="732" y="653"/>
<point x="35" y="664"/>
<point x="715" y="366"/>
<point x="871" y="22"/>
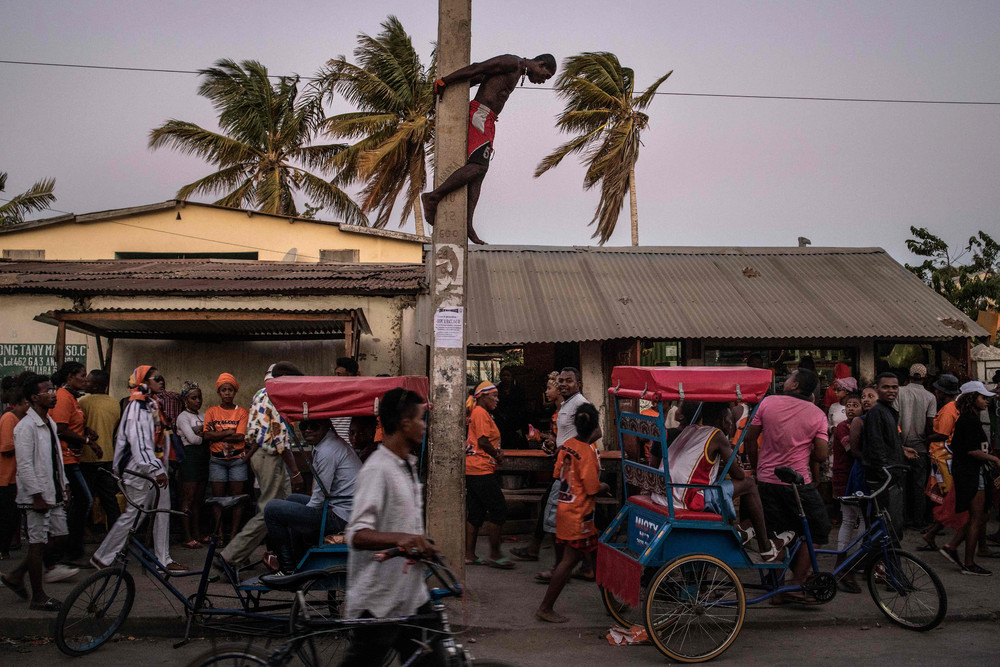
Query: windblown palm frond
<point x="606" y="116"/>
<point x="393" y="130"/>
<point x="38" y="197"/>
<point x="265" y="134"/>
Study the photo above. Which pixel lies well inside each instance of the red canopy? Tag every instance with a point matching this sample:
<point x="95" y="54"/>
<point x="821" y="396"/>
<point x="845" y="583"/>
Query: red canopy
<point x="295" y="397"/>
<point x="699" y="383"/>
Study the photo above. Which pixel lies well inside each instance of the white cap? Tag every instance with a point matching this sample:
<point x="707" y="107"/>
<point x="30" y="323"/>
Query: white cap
<point x="976" y="386"/>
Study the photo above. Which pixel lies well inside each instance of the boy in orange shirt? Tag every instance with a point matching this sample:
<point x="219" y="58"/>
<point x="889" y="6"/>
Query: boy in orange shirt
<point x="578" y="471"/>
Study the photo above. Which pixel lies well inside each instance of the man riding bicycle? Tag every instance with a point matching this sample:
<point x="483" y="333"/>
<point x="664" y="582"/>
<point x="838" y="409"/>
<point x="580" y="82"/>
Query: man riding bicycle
<point x="388" y="513"/>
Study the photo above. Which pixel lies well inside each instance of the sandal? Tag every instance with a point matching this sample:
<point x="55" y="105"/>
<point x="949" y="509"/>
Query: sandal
<point x="478" y="561"/>
<point x="51" y="604"/>
<point x="927" y="547"/>
<point x="584" y="577"/>
<point x="502" y="563"/>
<point x="543" y="578"/>
<point x="522" y="553"/>
<point x="18" y="589"/>
<point x="205" y="540"/>
<point x="194" y="544"/>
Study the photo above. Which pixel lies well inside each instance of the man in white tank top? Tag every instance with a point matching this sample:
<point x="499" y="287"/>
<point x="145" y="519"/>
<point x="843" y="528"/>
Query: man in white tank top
<point x="696" y="457"/>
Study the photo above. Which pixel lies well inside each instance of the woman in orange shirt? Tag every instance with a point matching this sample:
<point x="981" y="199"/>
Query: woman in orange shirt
<point x="226" y="430"/>
<point x="74" y="436"/>
<point x="578" y="471"/>
<point x="10" y="516"/>
<point x="484" y="497"/>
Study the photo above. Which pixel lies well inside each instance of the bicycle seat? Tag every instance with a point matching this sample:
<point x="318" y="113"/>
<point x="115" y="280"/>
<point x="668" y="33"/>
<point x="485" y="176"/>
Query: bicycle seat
<point x="789" y="476"/>
<point x="226" y="502"/>
<point x="295" y="581"/>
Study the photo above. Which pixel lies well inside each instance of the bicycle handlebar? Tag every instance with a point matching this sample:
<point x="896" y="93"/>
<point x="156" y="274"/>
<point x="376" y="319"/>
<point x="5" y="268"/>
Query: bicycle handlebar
<point x="859" y="496"/>
<point x="439" y="569"/>
<point x="156" y="501"/>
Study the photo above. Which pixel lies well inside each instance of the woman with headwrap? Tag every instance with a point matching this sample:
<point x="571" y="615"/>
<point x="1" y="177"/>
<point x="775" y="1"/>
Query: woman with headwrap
<point x="484" y="497"/>
<point x="141" y="447"/>
<point x="226" y="429"/>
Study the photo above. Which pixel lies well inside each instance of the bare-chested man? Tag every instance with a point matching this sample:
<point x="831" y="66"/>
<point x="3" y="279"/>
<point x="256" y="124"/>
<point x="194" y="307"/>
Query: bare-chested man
<point x="496" y="78"/>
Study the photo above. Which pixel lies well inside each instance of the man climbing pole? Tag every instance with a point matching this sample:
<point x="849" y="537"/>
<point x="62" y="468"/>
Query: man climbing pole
<point x="496" y="78"/>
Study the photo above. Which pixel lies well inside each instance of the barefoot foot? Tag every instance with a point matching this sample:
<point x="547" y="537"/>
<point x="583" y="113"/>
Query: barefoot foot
<point x="550" y="617"/>
<point x="430" y="207"/>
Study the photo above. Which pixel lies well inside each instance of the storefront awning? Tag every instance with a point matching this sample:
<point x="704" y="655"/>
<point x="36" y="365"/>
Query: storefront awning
<point x="209" y="325"/>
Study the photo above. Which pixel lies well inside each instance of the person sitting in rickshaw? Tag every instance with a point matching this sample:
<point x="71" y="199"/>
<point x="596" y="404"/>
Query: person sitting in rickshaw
<point x="696" y="456"/>
<point x="362" y="433"/>
<point x="294" y="523"/>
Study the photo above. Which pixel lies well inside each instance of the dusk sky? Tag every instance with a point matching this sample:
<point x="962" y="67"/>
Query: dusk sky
<point x="713" y="171"/>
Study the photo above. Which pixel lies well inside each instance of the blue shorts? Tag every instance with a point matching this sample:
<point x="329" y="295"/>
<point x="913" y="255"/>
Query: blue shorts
<point x="221" y="470"/>
<point x="714" y="504"/>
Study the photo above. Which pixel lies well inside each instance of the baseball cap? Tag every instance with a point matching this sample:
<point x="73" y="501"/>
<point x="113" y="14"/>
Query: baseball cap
<point x="977" y="387"/>
<point x="918" y="371"/>
<point x="948" y="385"/>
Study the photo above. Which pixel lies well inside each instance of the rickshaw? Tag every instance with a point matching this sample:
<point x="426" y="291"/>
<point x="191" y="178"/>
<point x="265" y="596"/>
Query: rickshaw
<point x="675" y="570"/>
<point x="259" y="605"/>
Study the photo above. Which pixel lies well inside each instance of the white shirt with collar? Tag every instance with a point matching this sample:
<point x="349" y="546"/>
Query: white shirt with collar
<point x="388" y="498"/>
<point x="33" y="438"/>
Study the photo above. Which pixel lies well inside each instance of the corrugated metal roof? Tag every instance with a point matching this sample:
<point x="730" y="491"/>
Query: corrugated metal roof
<point x="212" y="277"/>
<point x="520" y="294"/>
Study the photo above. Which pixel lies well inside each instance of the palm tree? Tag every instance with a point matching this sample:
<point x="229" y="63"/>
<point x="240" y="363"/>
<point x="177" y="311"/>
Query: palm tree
<point x="266" y="130"/>
<point x="602" y="109"/>
<point x="38" y="197"/>
<point x="393" y="127"/>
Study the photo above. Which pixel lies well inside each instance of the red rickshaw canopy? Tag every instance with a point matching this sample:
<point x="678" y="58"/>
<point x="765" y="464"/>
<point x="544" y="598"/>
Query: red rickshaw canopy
<point x="698" y="383"/>
<point x="301" y="397"/>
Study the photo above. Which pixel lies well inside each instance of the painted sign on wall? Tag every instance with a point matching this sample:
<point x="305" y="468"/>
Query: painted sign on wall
<point x="38" y="357"/>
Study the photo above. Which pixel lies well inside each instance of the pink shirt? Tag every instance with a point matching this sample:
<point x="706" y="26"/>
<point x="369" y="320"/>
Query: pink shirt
<point x="789" y="426"/>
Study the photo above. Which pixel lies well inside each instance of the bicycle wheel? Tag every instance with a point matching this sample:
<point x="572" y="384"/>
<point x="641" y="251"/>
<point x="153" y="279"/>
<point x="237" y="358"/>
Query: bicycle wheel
<point x="94" y="611"/>
<point x="906" y="590"/>
<point x="233" y="655"/>
<point x="320" y="600"/>
<point x="624" y="613"/>
<point x="695" y="608"/>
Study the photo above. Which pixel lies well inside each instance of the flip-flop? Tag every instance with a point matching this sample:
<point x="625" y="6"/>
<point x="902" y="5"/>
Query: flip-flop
<point x="927" y="547"/>
<point x="194" y="544"/>
<point x="522" y="553"/>
<point x="583" y="577"/>
<point x="503" y="563"/>
<point x="478" y="561"/>
<point x="18" y="589"/>
<point x="542" y="579"/>
<point x="51" y="604"/>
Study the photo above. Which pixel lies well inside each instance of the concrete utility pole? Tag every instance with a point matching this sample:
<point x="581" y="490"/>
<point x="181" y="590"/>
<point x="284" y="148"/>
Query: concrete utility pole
<point x="446" y="476"/>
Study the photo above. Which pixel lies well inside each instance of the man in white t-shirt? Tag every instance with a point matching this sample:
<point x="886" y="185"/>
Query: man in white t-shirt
<point x="570" y="388"/>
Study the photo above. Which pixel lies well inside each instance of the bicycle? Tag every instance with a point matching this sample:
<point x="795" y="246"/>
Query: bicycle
<point x="320" y="637"/>
<point x="97" y="607"/>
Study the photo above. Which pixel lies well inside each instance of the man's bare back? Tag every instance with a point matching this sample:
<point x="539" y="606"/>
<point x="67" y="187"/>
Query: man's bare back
<point x="497" y="78"/>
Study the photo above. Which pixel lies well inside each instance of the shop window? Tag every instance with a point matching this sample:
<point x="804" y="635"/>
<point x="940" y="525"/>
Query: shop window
<point x="784" y="361"/>
<point x="483" y="364"/>
<point x="660" y="353"/>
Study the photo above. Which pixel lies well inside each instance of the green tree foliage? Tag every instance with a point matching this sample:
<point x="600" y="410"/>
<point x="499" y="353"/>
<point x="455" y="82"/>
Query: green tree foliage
<point x="266" y="134"/>
<point x="393" y="128"/>
<point x="607" y="118"/>
<point x="38" y="197"/>
<point x="970" y="278"/>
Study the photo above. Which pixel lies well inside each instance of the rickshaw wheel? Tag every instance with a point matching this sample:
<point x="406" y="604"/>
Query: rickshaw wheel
<point x="624" y="613"/>
<point x="695" y="608"/>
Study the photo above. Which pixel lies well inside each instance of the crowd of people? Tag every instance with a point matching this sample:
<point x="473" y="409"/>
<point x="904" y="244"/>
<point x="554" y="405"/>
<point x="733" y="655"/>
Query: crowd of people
<point x="61" y="436"/>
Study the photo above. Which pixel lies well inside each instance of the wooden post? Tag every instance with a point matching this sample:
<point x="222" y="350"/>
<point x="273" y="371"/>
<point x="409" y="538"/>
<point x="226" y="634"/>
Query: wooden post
<point x="100" y="353"/>
<point x="108" y="356"/>
<point x="446" y="468"/>
<point x="60" y="343"/>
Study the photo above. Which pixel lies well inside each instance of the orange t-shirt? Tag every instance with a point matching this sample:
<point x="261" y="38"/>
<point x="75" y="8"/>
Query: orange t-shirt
<point x="67" y="411"/>
<point x="577" y="470"/>
<point x="8" y="464"/>
<point x="944" y="422"/>
<point x="220" y="419"/>
<point x="477" y="461"/>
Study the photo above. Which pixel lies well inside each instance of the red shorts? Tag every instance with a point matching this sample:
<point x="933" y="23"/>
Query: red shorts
<point x="586" y="545"/>
<point x="482" y="130"/>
